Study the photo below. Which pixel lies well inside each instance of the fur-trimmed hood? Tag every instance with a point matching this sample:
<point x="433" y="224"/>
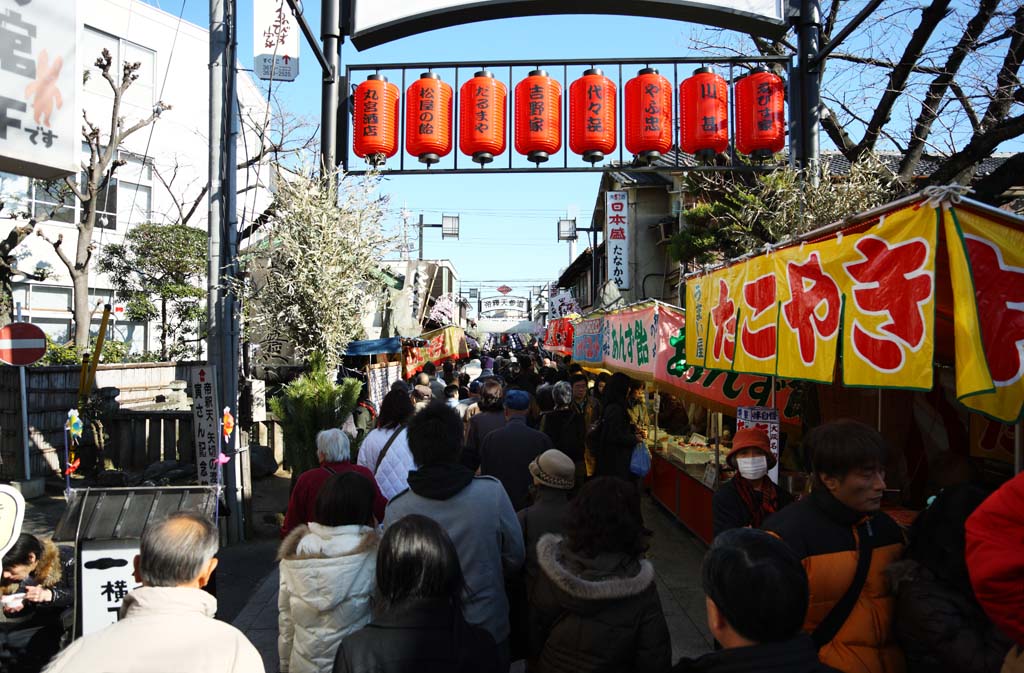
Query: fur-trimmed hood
<point x="365" y="538"/>
<point x="552" y="561"/>
<point x="326" y="566"/>
<point x="47" y="573"/>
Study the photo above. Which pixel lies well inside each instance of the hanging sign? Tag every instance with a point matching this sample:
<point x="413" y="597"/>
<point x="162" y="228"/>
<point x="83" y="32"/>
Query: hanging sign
<point x="205" y="417"/>
<point x="586" y="341"/>
<point x="443" y="344"/>
<point x="628" y="341"/>
<point x="617" y="238"/>
<point x="986" y="264"/>
<point x="786" y="313"/>
<point x="275" y="41"/>
<point x="39" y="114"/>
<point x="563" y="304"/>
<point x="559" y="338"/>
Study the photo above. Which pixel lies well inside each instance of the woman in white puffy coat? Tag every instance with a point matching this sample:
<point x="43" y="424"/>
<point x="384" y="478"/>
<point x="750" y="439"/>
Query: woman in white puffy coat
<point x="327" y="575"/>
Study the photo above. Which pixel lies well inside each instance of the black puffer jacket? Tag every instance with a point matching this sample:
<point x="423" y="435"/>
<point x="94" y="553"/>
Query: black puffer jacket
<point x="940" y="629"/>
<point x="599" y="615"/>
<point x="616" y="440"/>
<point x="791" y="656"/>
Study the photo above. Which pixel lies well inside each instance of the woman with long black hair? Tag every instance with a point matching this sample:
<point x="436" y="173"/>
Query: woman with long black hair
<point x="418" y="627"/>
<point x="385" y="450"/>
<point x="616" y="435"/>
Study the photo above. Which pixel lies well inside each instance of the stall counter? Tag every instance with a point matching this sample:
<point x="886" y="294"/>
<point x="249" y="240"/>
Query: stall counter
<point x="679" y="489"/>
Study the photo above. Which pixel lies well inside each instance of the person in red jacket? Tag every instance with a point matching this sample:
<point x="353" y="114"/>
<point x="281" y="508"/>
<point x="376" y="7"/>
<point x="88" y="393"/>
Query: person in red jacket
<point x="995" y="561"/>
<point x="332" y="448"/>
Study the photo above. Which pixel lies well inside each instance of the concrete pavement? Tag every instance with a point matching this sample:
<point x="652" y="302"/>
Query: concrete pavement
<point x="675" y="553"/>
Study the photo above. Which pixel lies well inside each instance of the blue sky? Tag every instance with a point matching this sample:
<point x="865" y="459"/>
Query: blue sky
<point x="508" y="222"/>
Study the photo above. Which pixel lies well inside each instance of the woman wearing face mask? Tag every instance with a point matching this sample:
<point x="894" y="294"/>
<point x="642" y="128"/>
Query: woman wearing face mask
<point x="748" y="498"/>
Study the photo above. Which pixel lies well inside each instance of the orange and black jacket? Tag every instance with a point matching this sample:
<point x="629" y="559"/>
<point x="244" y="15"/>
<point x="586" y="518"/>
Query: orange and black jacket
<point x="824" y="533"/>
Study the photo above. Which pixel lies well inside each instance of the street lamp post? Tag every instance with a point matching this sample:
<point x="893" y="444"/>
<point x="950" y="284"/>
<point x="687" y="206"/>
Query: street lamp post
<point x="567" y="232"/>
<point x="449" y="227"/>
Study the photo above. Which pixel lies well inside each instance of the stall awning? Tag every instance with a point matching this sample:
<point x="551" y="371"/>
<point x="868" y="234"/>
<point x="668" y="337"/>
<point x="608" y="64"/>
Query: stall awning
<point x="374" y="346"/>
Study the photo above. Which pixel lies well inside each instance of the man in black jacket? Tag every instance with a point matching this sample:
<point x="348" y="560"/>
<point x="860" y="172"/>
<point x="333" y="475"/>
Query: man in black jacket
<point x="506" y="453"/>
<point x="756" y="597"/>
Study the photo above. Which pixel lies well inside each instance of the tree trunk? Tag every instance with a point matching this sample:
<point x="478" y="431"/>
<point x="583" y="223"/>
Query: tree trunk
<point x="163" y="330"/>
<point x="80" y="280"/>
<point x="6" y="298"/>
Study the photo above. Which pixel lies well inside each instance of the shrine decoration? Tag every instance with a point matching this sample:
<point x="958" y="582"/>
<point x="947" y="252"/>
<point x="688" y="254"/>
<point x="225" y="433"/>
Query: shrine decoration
<point x="428" y="118"/>
<point x="760" y="114"/>
<point x="648" y="115"/>
<point x="482" y="112"/>
<point x="375" y="122"/>
<point x="538" y="116"/>
<point x="704" y="114"/>
<point x="869" y="294"/>
<point x="592" y="101"/>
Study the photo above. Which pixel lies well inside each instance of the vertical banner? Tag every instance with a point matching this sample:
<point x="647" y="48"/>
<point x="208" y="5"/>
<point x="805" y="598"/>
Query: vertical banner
<point x="39" y="75"/>
<point x="986" y="264"/>
<point x="724" y="287"/>
<point x="767" y="419"/>
<point x="698" y="296"/>
<point x="617" y="238"/>
<point x="205" y="413"/>
<point x="275" y="42"/>
<point x="757" y="328"/>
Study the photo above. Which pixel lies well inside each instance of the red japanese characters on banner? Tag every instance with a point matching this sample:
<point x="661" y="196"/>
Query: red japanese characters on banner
<point x="759" y="294"/>
<point x="538" y="116"/>
<point x="443" y="344"/>
<point x="648" y="115"/>
<point x="617" y="232"/>
<point x="815" y="307"/>
<point x="428" y="118"/>
<point x="482" y="117"/>
<point x="723" y="317"/>
<point x="376" y="119"/>
<point x="704" y="114"/>
<point x="592" y="115"/>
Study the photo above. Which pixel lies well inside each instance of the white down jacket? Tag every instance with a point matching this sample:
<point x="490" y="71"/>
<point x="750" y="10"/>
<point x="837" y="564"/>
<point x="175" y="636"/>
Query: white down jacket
<point x="393" y="475"/>
<point x="327" y="581"/>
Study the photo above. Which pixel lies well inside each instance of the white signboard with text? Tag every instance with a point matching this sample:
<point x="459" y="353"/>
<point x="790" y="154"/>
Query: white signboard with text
<point x="39" y="117"/>
<point x="617" y="238"/>
<point x="563" y="304"/>
<point x="108" y="568"/>
<point x="205" y="416"/>
<point x="275" y="41"/>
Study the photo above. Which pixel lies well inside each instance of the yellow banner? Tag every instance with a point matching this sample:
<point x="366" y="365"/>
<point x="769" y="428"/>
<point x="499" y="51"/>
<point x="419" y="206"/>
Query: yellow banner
<point x="698" y="298"/>
<point x="986" y="262"/>
<point x="724" y="288"/>
<point x="758" y="318"/>
<point x="888" y="281"/>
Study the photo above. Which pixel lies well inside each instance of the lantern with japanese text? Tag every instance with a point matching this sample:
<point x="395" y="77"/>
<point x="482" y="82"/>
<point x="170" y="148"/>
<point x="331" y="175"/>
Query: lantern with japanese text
<point x="648" y="115"/>
<point x="704" y="114"/>
<point x="428" y="118"/>
<point x="538" y="116"/>
<point x="592" y="101"/>
<point x="375" y="121"/>
<point x="760" y="114"/>
<point x="482" y="117"/>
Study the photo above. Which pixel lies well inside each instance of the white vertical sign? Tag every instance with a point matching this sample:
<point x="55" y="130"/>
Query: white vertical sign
<point x="205" y="417"/>
<point x="108" y="575"/>
<point x="275" y="42"/>
<point x="617" y="238"/>
<point x="767" y="419"/>
<point x="39" y="117"/>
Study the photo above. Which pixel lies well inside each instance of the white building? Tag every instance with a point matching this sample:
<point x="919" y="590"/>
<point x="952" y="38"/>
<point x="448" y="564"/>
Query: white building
<point x="166" y="167"/>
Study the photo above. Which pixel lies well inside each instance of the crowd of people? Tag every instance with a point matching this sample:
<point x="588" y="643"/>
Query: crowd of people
<point x="489" y="514"/>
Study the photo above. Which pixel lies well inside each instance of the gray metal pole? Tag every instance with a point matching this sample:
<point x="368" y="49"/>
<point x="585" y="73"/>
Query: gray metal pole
<point x="421" y="237"/>
<point x="330" y="33"/>
<point x="810" y="73"/>
<point x="24" y="412"/>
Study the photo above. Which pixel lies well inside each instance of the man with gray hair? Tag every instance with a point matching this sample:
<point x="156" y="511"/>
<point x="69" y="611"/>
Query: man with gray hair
<point x="167" y="624"/>
<point x="332" y="450"/>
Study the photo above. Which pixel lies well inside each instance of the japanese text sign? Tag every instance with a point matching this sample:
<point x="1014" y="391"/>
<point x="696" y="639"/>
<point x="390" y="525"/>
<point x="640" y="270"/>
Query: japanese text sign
<point x="628" y="341"/>
<point x="986" y="264"/>
<point x="205" y="419"/>
<point x="39" y="134"/>
<point x="617" y="238"/>
<point x="586" y="341"/>
<point x="275" y="41"/>
<point x="442" y="344"/>
<point x="563" y="304"/>
<point x="559" y="337"/>
<point x="787" y="312"/>
<point x="107" y="568"/>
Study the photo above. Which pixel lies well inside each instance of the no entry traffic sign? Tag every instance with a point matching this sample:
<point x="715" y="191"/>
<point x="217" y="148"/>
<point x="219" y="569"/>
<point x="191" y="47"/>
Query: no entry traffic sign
<point x="21" y="343"/>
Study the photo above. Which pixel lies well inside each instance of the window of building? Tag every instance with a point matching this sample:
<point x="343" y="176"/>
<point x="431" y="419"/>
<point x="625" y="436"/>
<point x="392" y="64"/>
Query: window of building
<point x="142" y="92"/>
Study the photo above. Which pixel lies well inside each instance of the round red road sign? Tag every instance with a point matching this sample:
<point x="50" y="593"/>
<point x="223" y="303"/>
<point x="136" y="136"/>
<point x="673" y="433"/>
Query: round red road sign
<point x="21" y="343"/>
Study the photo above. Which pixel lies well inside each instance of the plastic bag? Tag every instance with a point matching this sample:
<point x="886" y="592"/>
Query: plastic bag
<point x="640" y="461"/>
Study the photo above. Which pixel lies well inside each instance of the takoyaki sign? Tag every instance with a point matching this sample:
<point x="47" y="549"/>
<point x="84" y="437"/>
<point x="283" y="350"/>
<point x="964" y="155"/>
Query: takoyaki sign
<point x="374" y="22"/>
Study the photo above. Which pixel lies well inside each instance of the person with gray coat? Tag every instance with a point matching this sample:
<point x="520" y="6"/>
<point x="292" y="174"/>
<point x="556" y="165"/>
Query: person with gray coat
<point x="474" y="511"/>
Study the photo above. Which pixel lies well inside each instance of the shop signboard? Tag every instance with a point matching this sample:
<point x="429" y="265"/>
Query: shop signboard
<point x="205" y="416"/>
<point x="586" y="341"/>
<point x="275" y="41"/>
<point x="107" y="568"/>
<point x="559" y="338"/>
<point x="717" y="390"/>
<point x="766" y="419"/>
<point x="39" y="114"/>
<point x="617" y="236"/>
<point x="442" y="344"/>
<point x="629" y="341"/>
<point x="787" y="313"/>
<point x="563" y="304"/>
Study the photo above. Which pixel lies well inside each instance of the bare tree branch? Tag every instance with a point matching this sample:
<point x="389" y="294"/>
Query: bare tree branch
<point x="1006" y="79"/>
<point x="882" y="63"/>
<point x="835" y="131"/>
<point x="60" y="252"/>
<point x="966" y="103"/>
<point x="956" y="167"/>
<point x="991" y="188"/>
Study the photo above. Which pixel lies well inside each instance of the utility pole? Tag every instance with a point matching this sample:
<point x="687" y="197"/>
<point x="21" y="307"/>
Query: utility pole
<point x="330" y="33"/>
<point x="222" y="327"/>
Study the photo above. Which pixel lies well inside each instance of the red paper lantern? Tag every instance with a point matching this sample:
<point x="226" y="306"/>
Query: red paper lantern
<point x="704" y="114"/>
<point x="482" y="103"/>
<point x="592" y="101"/>
<point x="648" y="115"/>
<point x="538" y="116"/>
<point x="760" y="114"/>
<point x="428" y="118"/>
<point x="375" y="123"/>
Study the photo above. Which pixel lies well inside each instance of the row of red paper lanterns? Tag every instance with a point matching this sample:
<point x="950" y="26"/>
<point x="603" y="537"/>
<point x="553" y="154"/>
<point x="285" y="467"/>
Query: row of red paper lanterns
<point x="703" y="116"/>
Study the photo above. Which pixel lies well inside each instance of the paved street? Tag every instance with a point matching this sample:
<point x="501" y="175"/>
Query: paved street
<point x="676" y="555"/>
